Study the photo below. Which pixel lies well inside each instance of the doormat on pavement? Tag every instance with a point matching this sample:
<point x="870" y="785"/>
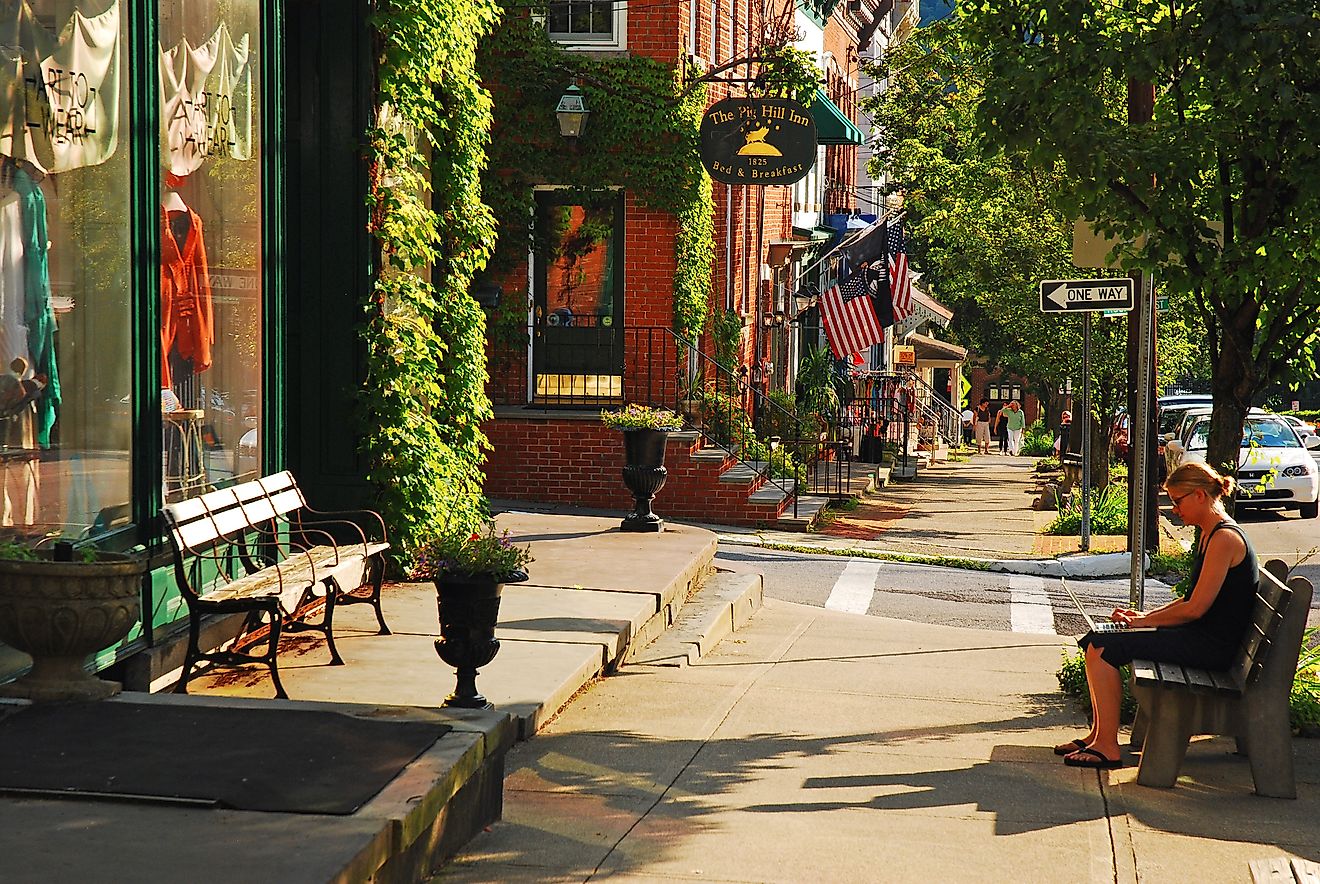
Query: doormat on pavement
<point x="283" y="760"/>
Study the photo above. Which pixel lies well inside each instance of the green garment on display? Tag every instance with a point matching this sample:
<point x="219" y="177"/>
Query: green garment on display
<point x="38" y="313"/>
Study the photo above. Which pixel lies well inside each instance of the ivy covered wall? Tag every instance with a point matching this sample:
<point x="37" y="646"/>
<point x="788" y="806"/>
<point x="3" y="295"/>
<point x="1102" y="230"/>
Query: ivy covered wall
<point x="424" y="399"/>
<point x="641" y="136"/>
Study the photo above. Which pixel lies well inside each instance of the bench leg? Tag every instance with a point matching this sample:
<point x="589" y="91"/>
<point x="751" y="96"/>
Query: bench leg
<point x="1140" y="723"/>
<point x="328" y="622"/>
<point x="1168" y="732"/>
<point x="272" y="657"/>
<point x="1268" y="741"/>
<point x="377" y="579"/>
<point x="190" y="656"/>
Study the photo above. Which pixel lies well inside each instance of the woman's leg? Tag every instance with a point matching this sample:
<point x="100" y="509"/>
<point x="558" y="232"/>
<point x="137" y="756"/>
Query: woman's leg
<point x="1106" y="698"/>
<point x="1071" y="746"/>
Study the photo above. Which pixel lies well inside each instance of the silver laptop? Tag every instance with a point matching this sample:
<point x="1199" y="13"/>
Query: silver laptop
<point x="1103" y="625"/>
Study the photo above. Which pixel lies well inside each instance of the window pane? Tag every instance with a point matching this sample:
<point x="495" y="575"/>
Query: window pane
<point x="559" y="18"/>
<point x="210" y="238"/>
<point x="65" y="321"/>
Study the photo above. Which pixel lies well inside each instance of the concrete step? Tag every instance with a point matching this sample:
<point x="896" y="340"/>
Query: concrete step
<point x="724" y="603"/>
<point x="809" y="507"/>
<point x="742" y="474"/>
<point x="772" y="492"/>
<point x="686" y="437"/>
<point x="718" y="455"/>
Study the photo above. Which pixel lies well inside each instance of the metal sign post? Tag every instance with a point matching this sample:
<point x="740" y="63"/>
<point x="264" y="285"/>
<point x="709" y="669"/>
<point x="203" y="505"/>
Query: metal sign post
<point x="1139" y="439"/>
<point x="1086" y="432"/>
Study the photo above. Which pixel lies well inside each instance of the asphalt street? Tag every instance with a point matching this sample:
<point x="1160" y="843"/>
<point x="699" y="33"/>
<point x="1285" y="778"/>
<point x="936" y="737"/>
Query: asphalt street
<point x="931" y="594"/>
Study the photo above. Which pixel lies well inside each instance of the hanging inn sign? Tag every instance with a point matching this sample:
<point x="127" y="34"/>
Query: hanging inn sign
<point x="758" y="141"/>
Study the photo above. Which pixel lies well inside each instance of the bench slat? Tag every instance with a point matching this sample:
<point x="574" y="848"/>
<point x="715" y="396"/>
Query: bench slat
<point x="1171" y="674"/>
<point x="1201" y="679"/>
<point x="1145" y="673"/>
<point x="1225" y="684"/>
<point x="1271" y="871"/>
<point x="1305" y="871"/>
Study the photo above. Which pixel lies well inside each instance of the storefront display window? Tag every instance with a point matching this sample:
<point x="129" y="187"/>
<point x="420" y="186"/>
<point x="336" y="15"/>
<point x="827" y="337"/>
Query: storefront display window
<point x="210" y="238"/>
<point x="66" y="364"/>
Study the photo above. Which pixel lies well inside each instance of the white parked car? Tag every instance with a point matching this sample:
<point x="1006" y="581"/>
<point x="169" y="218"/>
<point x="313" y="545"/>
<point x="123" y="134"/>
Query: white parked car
<point x="1302" y="427"/>
<point x="1175" y="442"/>
<point x="1276" y="469"/>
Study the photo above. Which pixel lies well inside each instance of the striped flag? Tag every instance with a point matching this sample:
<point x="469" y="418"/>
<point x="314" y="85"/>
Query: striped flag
<point x="900" y="282"/>
<point x="849" y="316"/>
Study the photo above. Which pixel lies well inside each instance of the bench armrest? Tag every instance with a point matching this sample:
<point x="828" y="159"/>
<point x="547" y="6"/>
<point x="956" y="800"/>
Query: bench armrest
<point x="340" y="513"/>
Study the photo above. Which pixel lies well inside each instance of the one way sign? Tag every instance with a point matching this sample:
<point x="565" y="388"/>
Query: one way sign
<point x="1067" y="295"/>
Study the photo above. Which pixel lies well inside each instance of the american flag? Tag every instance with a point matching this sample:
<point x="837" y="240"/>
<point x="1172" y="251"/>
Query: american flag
<point x="900" y="283"/>
<point x="849" y="316"/>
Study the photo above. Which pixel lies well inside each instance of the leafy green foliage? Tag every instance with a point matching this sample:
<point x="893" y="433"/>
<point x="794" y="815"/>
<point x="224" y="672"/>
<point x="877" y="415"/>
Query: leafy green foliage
<point x="1037" y="440"/>
<point x="1304" y="699"/>
<point x="641" y="136"/>
<point x="726" y="331"/>
<point x="425" y="398"/>
<point x="1109" y="513"/>
<point x="987" y="223"/>
<point x="1072" y="680"/>
<point x="1219" y="194"/>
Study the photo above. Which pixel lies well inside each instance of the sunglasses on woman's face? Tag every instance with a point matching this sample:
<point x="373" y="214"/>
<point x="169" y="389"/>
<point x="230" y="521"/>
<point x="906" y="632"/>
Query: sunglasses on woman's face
<point x="1181" y="498"/>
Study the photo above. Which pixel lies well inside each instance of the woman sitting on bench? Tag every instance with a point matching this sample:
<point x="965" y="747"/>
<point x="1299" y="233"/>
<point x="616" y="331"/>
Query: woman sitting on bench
<point x="1203" y="630"/>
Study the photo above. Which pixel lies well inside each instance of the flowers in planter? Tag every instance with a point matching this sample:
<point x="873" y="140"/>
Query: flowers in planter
<point x="641" y="417"/>
<point x="471" y="553"/>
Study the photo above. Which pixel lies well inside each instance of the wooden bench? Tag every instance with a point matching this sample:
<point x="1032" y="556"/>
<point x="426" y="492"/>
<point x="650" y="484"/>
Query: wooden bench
<point x="1284" y="870"/>
<point x="258" y="549"/>
<point x="1248" y="702"/>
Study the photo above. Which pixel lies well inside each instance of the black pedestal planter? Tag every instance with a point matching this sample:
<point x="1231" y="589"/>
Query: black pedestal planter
<point x="469" y="606"/>
<point x="644" y="473"/>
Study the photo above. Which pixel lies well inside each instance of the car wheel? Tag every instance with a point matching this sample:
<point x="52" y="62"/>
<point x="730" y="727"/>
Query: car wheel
<point x="1309" y="510"/>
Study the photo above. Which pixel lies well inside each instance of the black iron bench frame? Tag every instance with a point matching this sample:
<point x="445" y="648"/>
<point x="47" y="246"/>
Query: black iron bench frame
<point x="275" y="561"/>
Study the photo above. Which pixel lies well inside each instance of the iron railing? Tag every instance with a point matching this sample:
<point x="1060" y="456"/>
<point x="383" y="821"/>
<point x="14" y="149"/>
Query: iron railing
<point x="590" y="365"/>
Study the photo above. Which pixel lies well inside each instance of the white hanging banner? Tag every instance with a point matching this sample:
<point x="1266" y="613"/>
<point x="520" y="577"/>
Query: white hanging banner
<point x="61" y="111"/>
<point x="206" y="101"/>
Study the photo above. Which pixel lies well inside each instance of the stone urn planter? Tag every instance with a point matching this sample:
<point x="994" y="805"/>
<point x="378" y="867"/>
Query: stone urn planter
<point x="644" y="473"/>
<point x="60" y="613"/>
<point x="469" y="608"/>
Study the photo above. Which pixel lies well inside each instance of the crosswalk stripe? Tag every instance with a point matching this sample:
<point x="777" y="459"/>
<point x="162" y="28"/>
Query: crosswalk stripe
<point x="1029" y="605"/>
<point x="855" y="587"/>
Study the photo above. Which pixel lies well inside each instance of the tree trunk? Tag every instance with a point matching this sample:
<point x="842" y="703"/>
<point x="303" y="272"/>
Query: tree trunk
<point x="1232" y="387"/>
<point x="1099" y="451"/>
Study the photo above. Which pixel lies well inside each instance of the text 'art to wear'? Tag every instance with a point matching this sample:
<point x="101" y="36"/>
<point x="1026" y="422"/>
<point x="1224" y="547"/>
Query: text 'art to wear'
<point x="187" y="323"/>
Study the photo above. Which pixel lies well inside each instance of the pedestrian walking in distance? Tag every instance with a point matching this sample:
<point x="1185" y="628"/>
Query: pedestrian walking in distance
<point x="982" y="420"/>
<point x="968" y="417"/>
<point x="1001" y="429"/>
<point x="1015" y="423"/>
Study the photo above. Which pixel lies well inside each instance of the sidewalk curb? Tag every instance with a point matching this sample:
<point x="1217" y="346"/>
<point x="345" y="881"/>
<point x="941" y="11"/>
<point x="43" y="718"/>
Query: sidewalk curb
<point x="724" y="604"/>
<point x="1080" y="567"/>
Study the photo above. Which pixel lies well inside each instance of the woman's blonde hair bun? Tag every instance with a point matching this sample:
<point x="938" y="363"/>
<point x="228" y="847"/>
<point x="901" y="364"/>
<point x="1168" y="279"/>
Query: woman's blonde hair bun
<point x="1198" y="475"/>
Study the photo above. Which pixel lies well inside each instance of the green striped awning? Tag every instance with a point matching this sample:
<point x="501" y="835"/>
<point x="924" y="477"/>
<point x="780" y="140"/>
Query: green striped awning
<point x="832" y="127"/>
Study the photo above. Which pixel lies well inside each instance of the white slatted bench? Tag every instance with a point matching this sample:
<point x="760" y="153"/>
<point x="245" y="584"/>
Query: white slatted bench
<point x="252" y="549"/>
<point x="1249" y="701"/>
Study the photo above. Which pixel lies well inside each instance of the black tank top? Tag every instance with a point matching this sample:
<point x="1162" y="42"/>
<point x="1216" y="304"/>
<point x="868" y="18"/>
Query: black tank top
<point x="1230" y="612"/>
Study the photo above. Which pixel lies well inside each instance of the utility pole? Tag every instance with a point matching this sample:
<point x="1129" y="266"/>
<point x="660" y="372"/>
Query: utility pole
<point x="1143" y="523"/>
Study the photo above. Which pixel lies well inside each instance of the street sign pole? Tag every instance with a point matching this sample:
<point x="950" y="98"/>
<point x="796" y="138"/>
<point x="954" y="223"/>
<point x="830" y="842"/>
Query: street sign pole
<point x="1086" y="432"/>
<point x="1139" y="439"/>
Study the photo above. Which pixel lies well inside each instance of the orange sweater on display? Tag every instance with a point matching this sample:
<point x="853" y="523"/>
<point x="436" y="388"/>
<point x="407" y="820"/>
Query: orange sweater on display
<point x="187" y="323"/>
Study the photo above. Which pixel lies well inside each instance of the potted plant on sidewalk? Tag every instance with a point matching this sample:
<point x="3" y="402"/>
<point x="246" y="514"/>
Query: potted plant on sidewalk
<point x="469" y="570"/>
<point x="60" y="604"/>
<point x="645" y="431"/>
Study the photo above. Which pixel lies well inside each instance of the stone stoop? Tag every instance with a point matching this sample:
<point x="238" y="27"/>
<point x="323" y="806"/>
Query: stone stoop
<point x="710" y="485"/>
<point x="723" y="604"/>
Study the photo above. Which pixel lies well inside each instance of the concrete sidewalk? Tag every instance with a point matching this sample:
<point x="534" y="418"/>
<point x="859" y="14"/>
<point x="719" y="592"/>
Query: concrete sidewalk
<point x="597" y="596"/>
<point x="819" y="746"/>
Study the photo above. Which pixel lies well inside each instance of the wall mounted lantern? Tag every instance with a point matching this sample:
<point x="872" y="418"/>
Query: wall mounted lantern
<point x="572" y="113"/>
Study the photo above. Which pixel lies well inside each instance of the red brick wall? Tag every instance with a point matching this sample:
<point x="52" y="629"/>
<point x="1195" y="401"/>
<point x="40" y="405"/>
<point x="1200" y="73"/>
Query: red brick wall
<point x="980" y="379"/>
<point x="580" y="463"/>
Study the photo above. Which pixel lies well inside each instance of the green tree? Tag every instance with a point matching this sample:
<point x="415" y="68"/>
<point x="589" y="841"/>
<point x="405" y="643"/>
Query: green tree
<point x="1220" y="194"/>
<point x="988" y="224"/>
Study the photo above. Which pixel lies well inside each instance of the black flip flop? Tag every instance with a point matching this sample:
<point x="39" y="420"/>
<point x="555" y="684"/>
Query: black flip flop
<point x="1077" y="745"/>
<point x="1092" y="758"/>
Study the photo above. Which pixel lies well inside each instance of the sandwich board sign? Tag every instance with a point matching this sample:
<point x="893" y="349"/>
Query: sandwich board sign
<point x="1076" y="295"/>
